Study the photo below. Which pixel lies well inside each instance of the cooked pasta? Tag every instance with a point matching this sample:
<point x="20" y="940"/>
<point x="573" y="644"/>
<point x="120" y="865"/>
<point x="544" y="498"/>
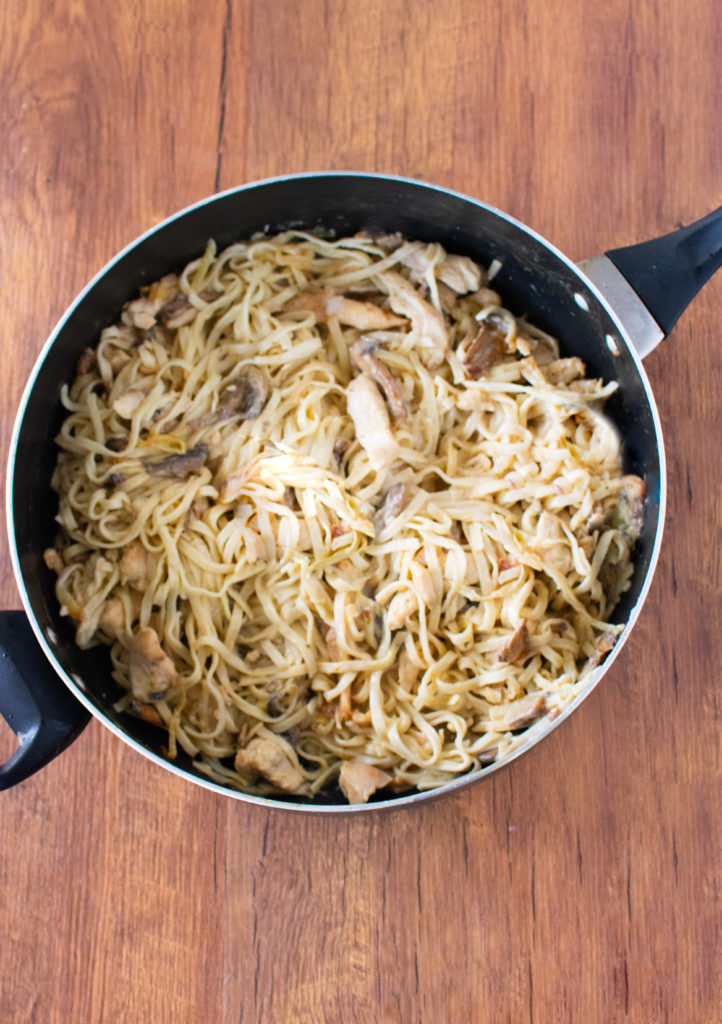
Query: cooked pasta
<point x="340" y="516"/>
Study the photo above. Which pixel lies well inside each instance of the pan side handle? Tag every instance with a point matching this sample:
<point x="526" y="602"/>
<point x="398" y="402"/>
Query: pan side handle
<point x="651" y="284"/>
<point x="38" y="707"/>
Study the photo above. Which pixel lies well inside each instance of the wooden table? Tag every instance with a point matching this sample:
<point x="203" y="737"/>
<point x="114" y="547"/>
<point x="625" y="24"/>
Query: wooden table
<point x="583" y="883"/>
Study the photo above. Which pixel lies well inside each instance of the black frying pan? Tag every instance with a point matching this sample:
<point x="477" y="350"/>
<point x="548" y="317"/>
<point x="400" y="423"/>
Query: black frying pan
<point x="47" y="698"/>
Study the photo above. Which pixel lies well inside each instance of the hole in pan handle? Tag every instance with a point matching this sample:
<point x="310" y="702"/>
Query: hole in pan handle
<point x="667" y="272"/>
<point x="34" y="701"/>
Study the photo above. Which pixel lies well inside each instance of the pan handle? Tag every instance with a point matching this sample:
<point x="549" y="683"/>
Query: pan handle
<point x="651" y="284"/>
<point x="38" y="707"/>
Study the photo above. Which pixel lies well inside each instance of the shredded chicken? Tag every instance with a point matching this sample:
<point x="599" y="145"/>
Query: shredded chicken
<point x="553" y="545"/>
<point x="358" y="781"/>
<point x="362" y="355"/>
<point x="517" y="646"/>
<point x="264" y="757"/>
<point x="367" y="409"/>
<point x="426" y="322"/>
<point x="152" y="672"/>
<point x="128" y="402"/>
<point x="137" y="564"/>
<point x="364" y="315"/>
<point x="563" y="371"/>
<point x="401" y="606"/>
<point x="460" y="273"/>
<point x="53" y="560"/>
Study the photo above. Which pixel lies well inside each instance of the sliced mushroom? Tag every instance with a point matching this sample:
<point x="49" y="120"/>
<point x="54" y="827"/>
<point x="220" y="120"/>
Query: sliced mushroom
<point x="523" y="712"/>
<point x="177" y="312"/>
<point x="517" y="646"/>
<point x="486" y="350"/>
<point x="179" y="467"/>
<point x="395" y="500"/>
<point x="245" y="396"/>
<point x="358" y="781"/>
<point x="362" y="355"/>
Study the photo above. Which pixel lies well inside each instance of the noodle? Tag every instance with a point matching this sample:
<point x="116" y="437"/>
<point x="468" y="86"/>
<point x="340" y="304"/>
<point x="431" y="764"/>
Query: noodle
<point x="336" y="510"/>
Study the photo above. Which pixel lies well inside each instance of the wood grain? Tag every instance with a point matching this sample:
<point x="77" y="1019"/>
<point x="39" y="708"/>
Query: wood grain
<point x="583" y="883"/>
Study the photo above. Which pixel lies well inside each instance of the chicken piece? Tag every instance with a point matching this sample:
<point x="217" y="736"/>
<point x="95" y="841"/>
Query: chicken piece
<point x="408" y="672"/>
<point x="358" y="781"/>
<point x="631" y="507"/>
<point x="179" y="467"/>
<point x="517" y="647"/>
<point x="552" y="543"/>
<point x="363" y="315"/>
<point x="142" y="311"/>
<point x="531" y="372"/>
<point x="426" y="321"/>
<point x="523" y="712"/>
<point x="401" y="607"/>
<point x="152" y="672"/>
<point x="475" y="400"/>
<point x="53" y="560"/>
<point x="424" y="584"/>
<point x="86" y="362"/>
<point x="488" y="348"/>
<point x="112" y="617"/>
<point x="368" y="411"/>
<point x="266" y="758"/>
<point x="137" y="565"/>
<point x="460" y="273"/>
<point x="395" y="500"/>
<point x="128" y="402"/>
<point x="602" y="647"/>
<point x="563" y="371"/>
<point x="362" y="355"/>
<point x="333" y="650"/>
<point x="116" y="358"/>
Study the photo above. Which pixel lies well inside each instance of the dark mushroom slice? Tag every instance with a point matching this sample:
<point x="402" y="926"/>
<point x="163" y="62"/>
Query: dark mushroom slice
<point x="179" y="467"/>
<point x="395" y="500"/>
<point x="177" y="312"/>
<point x="486" y="350"/>
<point x="362" y="355"/>
<point x="245" y="397"/>
<point x="517" y="646"/>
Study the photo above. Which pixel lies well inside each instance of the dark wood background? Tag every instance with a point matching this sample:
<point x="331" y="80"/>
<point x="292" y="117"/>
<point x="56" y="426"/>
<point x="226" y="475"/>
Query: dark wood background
<point x="583" y="884"/>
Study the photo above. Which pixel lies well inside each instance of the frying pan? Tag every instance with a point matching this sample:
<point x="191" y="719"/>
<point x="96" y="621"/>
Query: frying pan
<point x="610" y="311"/>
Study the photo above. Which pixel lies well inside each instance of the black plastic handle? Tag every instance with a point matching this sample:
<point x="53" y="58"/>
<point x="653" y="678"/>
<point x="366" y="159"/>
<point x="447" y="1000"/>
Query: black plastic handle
<point x="667" y="272"/>
<point x="34" y="701"/>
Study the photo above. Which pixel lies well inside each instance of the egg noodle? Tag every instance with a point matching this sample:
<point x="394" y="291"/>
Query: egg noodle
<point x="336" y="510"/>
